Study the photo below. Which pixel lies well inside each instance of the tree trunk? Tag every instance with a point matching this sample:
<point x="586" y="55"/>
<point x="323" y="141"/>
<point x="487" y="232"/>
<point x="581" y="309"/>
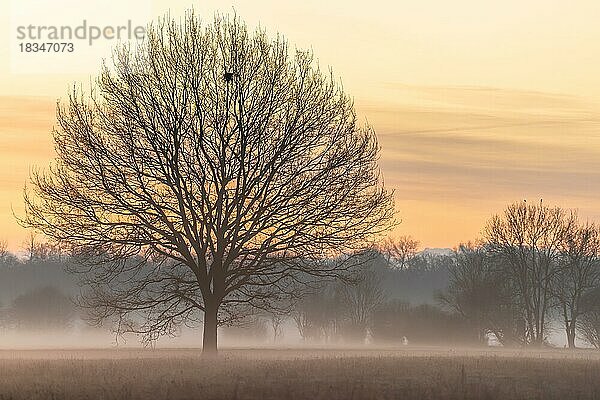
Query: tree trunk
<point x="571" y="341"/>
<point x="209" y="338"/>
<point x="571" y="336"/>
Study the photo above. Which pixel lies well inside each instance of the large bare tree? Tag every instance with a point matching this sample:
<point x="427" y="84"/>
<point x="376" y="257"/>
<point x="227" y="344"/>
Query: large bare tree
<point x="527" y="239"/>
<point x="210" y="168"/>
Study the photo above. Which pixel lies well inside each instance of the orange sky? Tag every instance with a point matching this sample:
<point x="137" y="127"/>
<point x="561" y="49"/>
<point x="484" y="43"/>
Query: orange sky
<point x="476" y="104"/>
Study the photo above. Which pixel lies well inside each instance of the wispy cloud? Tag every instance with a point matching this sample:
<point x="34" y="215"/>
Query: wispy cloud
<point x="454" y="155"/>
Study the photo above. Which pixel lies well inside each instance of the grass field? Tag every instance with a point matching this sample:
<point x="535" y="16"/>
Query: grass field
<point x="408" y="373"/>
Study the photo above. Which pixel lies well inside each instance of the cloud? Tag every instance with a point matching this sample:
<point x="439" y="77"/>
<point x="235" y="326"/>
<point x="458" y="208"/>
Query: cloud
<point x="454" y="155"/>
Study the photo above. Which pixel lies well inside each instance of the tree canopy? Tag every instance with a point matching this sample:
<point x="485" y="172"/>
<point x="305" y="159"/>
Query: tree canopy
<point x="210" y="168"/>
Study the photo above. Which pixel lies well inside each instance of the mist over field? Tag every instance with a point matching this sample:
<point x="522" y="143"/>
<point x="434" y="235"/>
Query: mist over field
<point x="39" y="310"/>
<point x="39" y="306"/>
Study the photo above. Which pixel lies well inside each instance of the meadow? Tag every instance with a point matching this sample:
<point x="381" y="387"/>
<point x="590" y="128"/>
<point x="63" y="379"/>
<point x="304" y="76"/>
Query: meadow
<point x="406" y="373"/>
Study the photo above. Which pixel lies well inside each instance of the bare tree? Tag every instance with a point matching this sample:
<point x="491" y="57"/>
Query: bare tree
<point x="3" y="249"/>
<point x="317" y="314"/>
<point x="309" y="316"/>
<point x="480" y="292"/>
<point x="578" y="273"/>
<point x="527" y="240"/>
<point x="208" y="170"/>
<point x="6" y="257"/>
<point x="277" y="321"/>
<point x="588" y="323"/>
<point x="31" y="247"/>
<point x="589" y="327"/>
<point x="41" y="251"/>
<point x="399" y="251"/>
<point x="359" y="301"/>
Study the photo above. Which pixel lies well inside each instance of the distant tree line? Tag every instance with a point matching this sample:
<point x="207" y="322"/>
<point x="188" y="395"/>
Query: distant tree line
<point x="373" y="305"/>
<point x="376" y="308"/>
<point x="534" y="268"/>
<point x="35" y="292"/>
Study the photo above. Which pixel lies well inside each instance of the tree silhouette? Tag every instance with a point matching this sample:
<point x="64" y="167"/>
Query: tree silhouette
<point x="588" y="322"/>
<point x="359" y="302"/>
<point x="527" y="240"/>
<point x="210" y="169"/>
<point x="480" y="291"/>
<point x="399" y="252"/>
<point x="578" y="274"/>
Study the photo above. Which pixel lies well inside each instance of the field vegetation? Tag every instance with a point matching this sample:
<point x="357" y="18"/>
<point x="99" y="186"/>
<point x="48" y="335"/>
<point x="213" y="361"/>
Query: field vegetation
<point x="408" y="373"/>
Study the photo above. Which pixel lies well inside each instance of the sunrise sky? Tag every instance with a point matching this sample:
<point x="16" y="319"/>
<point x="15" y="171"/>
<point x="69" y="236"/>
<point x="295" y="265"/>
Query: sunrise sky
<point x="477" y="104"/>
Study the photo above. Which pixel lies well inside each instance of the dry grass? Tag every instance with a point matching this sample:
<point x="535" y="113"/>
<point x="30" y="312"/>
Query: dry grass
<point x="300" y="374"/>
